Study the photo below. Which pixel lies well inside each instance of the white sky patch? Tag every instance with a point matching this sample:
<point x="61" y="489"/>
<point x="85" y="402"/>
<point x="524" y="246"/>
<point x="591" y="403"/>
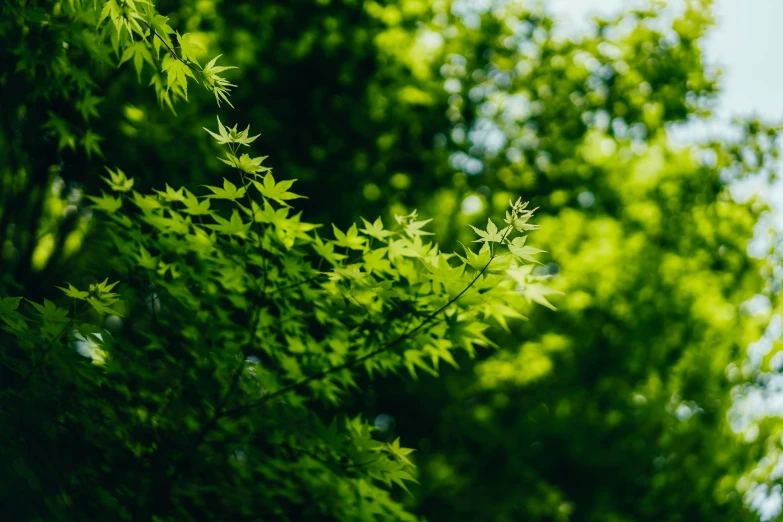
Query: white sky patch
<point x="472" y="205"/>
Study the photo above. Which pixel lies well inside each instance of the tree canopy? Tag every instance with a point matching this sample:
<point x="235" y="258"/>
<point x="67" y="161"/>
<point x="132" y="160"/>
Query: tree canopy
<point x="191" y="331"/>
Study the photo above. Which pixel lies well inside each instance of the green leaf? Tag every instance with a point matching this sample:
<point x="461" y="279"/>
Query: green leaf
<point x="50" y="312"/>
<point x="162" y="29"/>
<point x="223" y="137"/>
<point x="194" y="206"/>
<point x="88" y="106"/>
<point x="189" y="47"/>
<point x="243" y="137"/>
<point x="492" y="234"/>
<point x="402" y="248"/>
<point x="101" y="306"/>
<point x="326" y="250"/>
<point x="518" y="249"/>
<point x="276" y="191"/>
<point x="91" y="143"/>
<point x="145" y="259"/>
<point x="62" y="129"/>
<point x="162" y="93"/>
<point x="375" y="229"/>
<point x="351" y="239"/>
<point x="74" y="292"/>
<point x="229" y="191"/>
<point x="444" y="271"/>
<point x="528" y="286"/>
<point x="118" y="182"/>
<point x="246" y="164"/>
<point x="140" y="54"/>
<point x="413" y="228"/>
<point x="147" y="204"/>
<point x="106" y="203"/>
<point x="538" y="292"/>
<point x="518" y="217"/>
<point x="104" y="288"/>
<point x="234" y="226"/>
<point x="212" y="70"/>
<point x="177" y="76"/>
<point x="216" y="83"/>
<point x="477" y="261"/>
<point x="9" y="304"/>
<point x="172" y="195"/>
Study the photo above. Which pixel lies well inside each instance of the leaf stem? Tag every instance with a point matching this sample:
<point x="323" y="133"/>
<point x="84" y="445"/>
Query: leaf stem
<point x="173" y="53"/>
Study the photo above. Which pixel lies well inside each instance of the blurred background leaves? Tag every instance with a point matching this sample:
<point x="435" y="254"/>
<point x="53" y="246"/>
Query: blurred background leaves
<point x="613" y="408"/>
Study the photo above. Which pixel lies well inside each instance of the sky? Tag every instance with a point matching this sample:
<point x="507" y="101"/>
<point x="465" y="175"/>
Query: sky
<point x="746" y="43"/>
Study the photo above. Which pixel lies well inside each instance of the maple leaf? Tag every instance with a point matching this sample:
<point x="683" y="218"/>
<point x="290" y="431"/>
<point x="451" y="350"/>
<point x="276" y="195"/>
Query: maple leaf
<point x="74" y="292"/>
<point x="229" y="191"/>
<point x="351" y="239"/>
<point x="189" y="47"/>
<point x="413" y="228"/>
<point x="375" y="229"/>
<point x="443" y="271"/>
<point x="106" y="203"/>
<point x="176" y="75"/>
<point x="276" y="191"/>
<point x="91" y="143"/>
<point x="234" y="226"/>
<point x="118" y="182"/>
<point x="492" y="234"/>
<point x="245" y="163"/>
<point x="520" y="250"/>
<point x="140" y="54"/>
<point x="87" y="106"/>
<point x="326" y="250"/>
<point x="193" y="206"/>
<point x="50" y="312"/>
<point x="223" y="137"/>
<point x="216" y="83"/>
<point x="171" y="194"/>
<point x="146" y="260"/>
<point x="9" y="304"/>
<point x="402" y="248"/>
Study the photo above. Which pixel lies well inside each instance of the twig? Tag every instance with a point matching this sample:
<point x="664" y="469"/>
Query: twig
<point x="399" y="340"/>
<point x="48" y="347"/>
<point x="173" y="53"/>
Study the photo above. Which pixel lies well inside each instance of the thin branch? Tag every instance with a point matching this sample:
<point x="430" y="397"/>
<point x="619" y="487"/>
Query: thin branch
<point x="320" y="274"/>
<point x="264" y="444"/>
<point x="173" y="53"/>
<point x="219" y="411"/>
<point x="256" y="224"/>
<point x="48" y="348"/>
<point x="396" y="342"/>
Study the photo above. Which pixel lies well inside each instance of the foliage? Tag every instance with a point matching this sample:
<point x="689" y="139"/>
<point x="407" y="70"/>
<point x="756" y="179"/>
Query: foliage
<point x="202" y="405"/>
<point x="613" y="408"/>
<point x="625" y="385"/>
<point x="82" y="40"/>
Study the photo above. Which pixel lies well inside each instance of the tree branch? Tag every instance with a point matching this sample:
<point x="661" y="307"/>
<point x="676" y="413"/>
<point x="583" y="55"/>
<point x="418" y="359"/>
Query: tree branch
<point x="173" y="53"/>
<point x="396" y="342"/>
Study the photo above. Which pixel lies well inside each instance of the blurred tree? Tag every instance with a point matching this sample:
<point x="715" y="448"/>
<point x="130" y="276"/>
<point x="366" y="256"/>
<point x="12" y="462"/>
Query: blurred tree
<point x="756" y="406"/>
<point x="455" y="106"/>
<point x="614" y="408"/>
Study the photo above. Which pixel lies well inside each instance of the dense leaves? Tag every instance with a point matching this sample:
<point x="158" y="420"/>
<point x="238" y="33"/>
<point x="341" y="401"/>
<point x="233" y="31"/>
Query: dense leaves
<point x="236" y="318"/>
<point x="236" y="322"/>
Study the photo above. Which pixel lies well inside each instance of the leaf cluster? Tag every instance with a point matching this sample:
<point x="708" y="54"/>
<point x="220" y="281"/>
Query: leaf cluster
<point x="239" y="330"/>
